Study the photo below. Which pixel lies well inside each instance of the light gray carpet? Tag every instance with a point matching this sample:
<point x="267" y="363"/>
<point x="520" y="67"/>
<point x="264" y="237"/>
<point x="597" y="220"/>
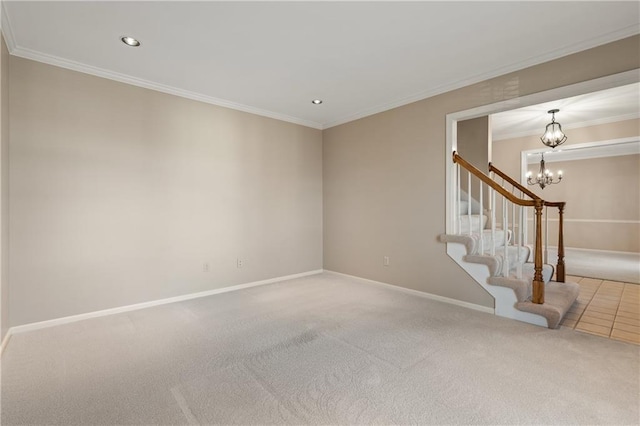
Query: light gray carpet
<point x="623" y="267"/>
<point x="323" y="349"/>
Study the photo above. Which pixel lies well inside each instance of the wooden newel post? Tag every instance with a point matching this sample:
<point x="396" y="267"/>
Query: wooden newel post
<point x="538" y="282"/>
<point x="560" y="277"/>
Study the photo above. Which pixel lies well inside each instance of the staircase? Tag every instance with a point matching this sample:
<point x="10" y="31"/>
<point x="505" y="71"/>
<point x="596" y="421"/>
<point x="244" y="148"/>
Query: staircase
<point x="491" y="245"/>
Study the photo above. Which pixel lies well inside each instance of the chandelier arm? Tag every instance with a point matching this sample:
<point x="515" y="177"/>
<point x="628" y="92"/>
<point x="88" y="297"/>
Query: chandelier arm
<point x="544" y="177"/>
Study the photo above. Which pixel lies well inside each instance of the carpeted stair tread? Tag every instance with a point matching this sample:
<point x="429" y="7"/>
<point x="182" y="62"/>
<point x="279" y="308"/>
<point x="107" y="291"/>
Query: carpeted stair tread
<point x="558" y="299"/>
<point x="496" y="263"/>
<point x="522" y="286"/>
<point x="528" y="270"/>
<point x="465" y="240"/>
<point x="489" y="240"/>
<point x="472" y="241"/>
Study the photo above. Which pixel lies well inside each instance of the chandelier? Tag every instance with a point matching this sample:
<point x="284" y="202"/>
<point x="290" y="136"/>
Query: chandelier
<point x="553" y="135"/>
<point x="545" y="177"/>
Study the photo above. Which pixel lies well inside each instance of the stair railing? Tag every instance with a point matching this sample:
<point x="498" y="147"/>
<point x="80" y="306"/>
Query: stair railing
<point x="495" y="188"/>
<point x="560" y="272"/>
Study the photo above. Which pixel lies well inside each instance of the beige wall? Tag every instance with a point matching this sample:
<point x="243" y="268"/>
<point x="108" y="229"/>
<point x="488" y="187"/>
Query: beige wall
<point x="603" y="208"/>
<point x="384" y="177"/>
<point x="4" y="188"/>
<point x="474" y="140"/>
<point x="595" y="205"/>
<point x="120" y="194"/>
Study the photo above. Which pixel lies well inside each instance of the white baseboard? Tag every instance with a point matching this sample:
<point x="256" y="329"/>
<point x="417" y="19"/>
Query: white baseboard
<point x="5" y="341"/>
<point x="137" y="306"/>
<point x="431" y="296"/>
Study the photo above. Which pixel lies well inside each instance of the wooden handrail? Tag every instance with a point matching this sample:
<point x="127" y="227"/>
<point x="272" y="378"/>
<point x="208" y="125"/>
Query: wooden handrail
<point x="522" y="188"/>
<point x="512" y="181"/>
<point x="490" y="182"/>
<point x="555" y="203"/>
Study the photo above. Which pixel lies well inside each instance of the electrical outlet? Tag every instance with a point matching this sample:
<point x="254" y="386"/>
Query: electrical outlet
<point x="239" y="263"/>
<point x="205" y="267"/>
<point x="385" y="261"/>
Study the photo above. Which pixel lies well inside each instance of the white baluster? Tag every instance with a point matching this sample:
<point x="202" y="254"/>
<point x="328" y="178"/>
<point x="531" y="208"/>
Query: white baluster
<point x="458" y="199"/>
<point x="525" y="228"/>
<point x="469" y="201"/>
<point x="502" y="210"/>
<point x="504" y="222"/>
<point x="513" y="222"/>
<point x="492" y="196"/>
<point x="505" y="229"/>
<point x="481" y="221"/>
<point x="520" y="260"/>
<point x="521" y="226"/>
<point x="546" y="234"/>
<point x="514" y="237"/>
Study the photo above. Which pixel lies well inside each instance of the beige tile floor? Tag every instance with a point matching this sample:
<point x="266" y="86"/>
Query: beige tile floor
<point x="606" y="308"/>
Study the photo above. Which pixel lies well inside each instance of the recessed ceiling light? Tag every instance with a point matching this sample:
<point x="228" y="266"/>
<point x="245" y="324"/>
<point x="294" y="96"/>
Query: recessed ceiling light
<point x="316" y="101"/>
<point x="130" y="41"/>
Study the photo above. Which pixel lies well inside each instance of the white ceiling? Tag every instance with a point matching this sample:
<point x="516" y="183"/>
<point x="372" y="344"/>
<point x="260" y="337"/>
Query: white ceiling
<point x="605" y="106"/>
<point x="273" y="58"/>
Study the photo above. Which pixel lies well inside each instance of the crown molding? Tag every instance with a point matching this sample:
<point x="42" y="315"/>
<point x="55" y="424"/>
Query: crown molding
<point x="123" y="78"/>
<point x="594" y="122"/>
<point x="536" y="60"/>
